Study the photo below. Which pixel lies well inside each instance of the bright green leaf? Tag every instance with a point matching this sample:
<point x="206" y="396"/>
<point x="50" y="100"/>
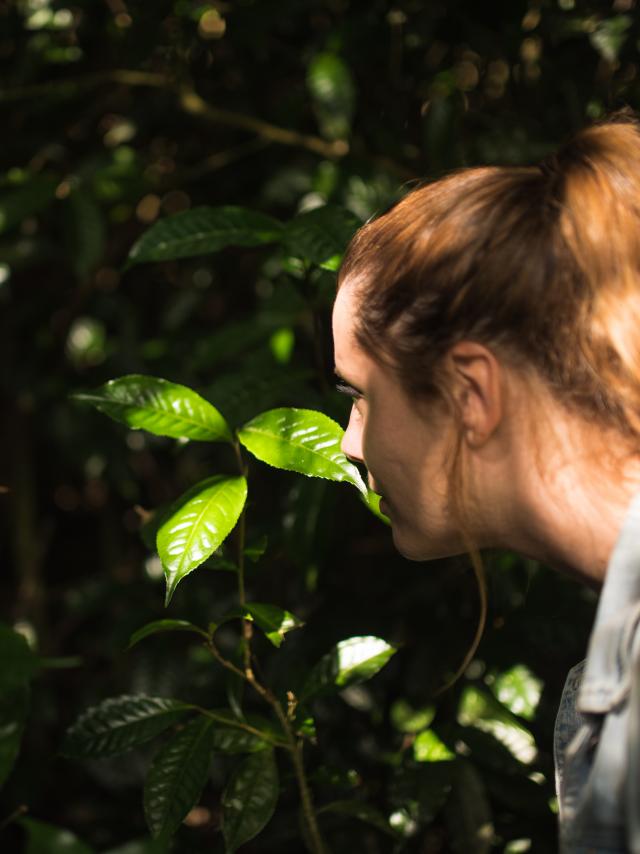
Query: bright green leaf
<point x="321" y="234"/>
<point x="43" y="838"/>
<point x="427" y="747"/>
<point x="300" y="440"/>
<point x="480" y="709"/>
<point x="177" y="776"/>
<point x="120" y="723"/>
<point x="518" y="689"/>
<point x="164" y="626"/>
<point x="203" y="230"/>
<point x="249" y="799"/>
<point x="159" y="406"/>
<point x="349" y="662"/>
<point x="197" y="525"/>
<point x="273" y="621"/>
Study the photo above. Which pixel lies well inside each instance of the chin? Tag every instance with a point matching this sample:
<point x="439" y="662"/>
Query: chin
<point x="420" y="549"/>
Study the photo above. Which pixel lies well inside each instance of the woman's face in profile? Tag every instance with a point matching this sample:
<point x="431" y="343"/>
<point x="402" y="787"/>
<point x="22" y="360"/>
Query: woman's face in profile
<point x="405" y="445"/>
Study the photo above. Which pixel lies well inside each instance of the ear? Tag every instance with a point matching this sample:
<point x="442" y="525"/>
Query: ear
<point x="477" y="377"/>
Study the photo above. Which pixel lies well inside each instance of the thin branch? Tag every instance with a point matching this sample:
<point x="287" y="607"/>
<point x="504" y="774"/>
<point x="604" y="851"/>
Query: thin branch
<point x="190" y="102"/>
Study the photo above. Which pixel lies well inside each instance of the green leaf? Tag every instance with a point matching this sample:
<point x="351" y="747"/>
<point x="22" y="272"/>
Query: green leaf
<point x="120" y="723"/>
<point x="177" y="776"/>
<point x="300" y="440"/>
<point x="203" y="230"/>
<point x="372" y="501"/>
<point x="86" y="232"/>
<point x="480" y="709"/>
<point x="518" y="689"/>
<point x="610" y="35"/>
<point x="351" y="661"/>
<point x="363" y="812"/>
<point x="250" y="799"/>
<point x="230" y="736"/>
<point x="164" y="626"/>
<point x="274" y="621"/>
<point x="27" y="200"/>
<point x="159" y="406"/>
<point x="320" y="235"/>
<point x="333" y="94"/>
<point x="43" y="838"/>
<point x="14" y="706"/>
<point x="197" y="525"/>
<point x="18" y="663"/>
<point x="428" y="747"/>
<point x="468" y="812"/>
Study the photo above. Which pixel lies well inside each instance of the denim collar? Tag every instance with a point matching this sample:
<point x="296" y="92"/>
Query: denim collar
<point x="606" y="678"/>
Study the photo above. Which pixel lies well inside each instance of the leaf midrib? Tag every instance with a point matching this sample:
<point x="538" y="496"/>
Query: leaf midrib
<point x="155" y="409"/>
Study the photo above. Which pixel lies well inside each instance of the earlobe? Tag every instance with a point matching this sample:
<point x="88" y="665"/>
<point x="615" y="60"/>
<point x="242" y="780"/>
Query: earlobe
<point x="477" y="387"/>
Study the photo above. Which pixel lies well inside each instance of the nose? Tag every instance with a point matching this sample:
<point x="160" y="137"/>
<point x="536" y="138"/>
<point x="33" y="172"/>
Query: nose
<point x="351" y="444"/>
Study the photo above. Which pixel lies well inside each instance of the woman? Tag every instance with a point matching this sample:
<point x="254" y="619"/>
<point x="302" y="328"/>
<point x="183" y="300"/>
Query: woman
<point x="488" y="330"/>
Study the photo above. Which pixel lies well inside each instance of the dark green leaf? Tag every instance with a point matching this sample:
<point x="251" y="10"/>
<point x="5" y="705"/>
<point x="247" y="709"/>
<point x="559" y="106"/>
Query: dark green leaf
<point x="159" y="406"/>
<point x="120" y="723"/>
<point x="230" y="735"/>
<point x="274" y="621"/>
<point x="18" y="664"/>
<point x="363" y="812"/>
<point x="14" y="706"/>
<point x="249" y="799"/>
<point x="468" y="812"/>
<point x="300" y="440"/>
<point x="27" y="200"/>
<point x="164" y="626"/>
<point x="198" y="524"/>
<point x="203" y="230"/>
<point x="351" y="661"/>
<point x="43" y="838"/>
<point x="320" y="235"/>
<point x="87" y="232"/>
<point x="333" y="92"/>
<point x="177" y="776"/>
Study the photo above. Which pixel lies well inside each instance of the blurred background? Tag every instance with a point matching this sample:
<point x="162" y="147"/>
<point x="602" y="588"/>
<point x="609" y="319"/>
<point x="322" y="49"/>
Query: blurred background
<point x="117" y="113"/>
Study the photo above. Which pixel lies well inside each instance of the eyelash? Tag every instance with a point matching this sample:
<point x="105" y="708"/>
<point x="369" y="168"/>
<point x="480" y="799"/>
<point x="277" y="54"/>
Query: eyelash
<point x="351" y="392"/>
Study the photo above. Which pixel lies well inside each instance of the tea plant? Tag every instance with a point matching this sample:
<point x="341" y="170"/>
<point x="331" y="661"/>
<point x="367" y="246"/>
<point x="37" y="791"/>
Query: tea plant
<point x="190" y="534"/>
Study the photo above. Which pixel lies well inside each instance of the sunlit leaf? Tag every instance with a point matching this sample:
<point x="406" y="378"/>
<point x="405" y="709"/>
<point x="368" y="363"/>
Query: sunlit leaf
<point x="518" y="689"/>
<point x="177" y="776"/>
<point x="610" y="35"/>
<point x="479" y="709"/>
<point x="249" y="799"/>
<point x="159" y="406"/>
<point x="428" y="747"/>
<point x="120" y="723"/>
<point x="351" y="661"/>
<point x="274" y="621"/>
<point x="319" y="235"/>
<point x="300" y="440"/>
<point x="203" y="230"/>
<point x="198" y="524"/>
<point x="158" y="626"/>
<point x="43" y="838"/>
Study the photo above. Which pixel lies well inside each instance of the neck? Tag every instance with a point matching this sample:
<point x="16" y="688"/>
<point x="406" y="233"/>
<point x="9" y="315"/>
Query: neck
<point x="568" y="512"/>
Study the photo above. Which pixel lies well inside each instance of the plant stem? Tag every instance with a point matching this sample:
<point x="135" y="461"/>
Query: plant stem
<point x="293" y="743"/>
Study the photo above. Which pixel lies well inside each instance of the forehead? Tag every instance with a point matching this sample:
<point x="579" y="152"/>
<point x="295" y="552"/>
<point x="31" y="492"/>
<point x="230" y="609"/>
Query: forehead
<point x="344" y="317"/>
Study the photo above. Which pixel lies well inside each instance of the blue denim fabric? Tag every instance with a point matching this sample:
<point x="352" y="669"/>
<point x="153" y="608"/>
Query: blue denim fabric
<point x="597" y="735"/>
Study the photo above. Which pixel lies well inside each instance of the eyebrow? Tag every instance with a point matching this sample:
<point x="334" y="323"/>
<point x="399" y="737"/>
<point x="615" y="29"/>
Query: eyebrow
<point x="345" y="387"/>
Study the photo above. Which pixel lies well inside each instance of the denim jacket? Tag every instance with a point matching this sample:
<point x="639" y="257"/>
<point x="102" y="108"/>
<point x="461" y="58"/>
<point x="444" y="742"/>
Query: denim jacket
<point x="597" y="733"/>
